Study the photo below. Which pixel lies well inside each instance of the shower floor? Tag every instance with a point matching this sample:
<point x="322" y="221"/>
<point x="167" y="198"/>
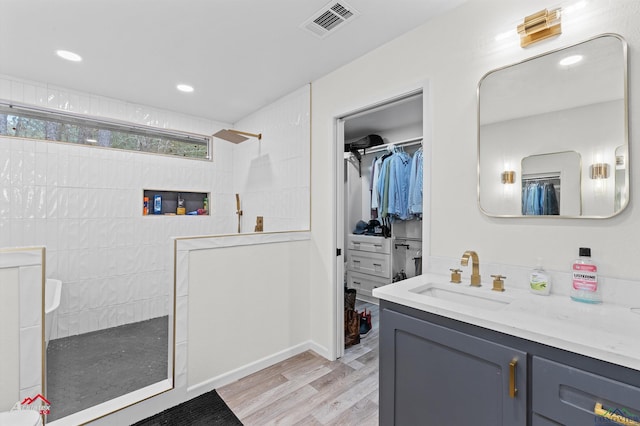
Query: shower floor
<point x="92" y="368"/>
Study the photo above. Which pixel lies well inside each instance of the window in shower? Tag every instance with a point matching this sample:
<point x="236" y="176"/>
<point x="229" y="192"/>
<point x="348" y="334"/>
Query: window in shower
<point x="45" y="124"/>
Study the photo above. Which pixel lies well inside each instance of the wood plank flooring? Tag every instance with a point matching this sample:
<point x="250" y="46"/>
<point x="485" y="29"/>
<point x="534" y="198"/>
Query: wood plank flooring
<point x="309" y="390"/>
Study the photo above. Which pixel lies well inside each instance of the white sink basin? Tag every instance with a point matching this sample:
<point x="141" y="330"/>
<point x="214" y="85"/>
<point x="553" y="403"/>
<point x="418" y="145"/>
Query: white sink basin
<point x="470" y="296"/>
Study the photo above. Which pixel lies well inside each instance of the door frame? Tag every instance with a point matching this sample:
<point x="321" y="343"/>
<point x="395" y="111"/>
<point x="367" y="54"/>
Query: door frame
<point x="339" y="237"/>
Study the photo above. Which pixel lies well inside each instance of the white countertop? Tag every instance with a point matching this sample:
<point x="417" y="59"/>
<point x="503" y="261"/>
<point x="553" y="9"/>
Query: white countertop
<point x="604" y="331"/>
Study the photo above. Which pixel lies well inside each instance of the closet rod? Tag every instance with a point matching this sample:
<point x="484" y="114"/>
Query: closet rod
<point x="406" y="142"/>
<point x="540" y="179"/>
<point x="531" y="176"/>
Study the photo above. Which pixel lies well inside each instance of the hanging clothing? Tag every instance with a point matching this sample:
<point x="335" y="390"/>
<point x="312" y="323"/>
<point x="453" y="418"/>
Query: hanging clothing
<point x="382" y="186"/>
<point x="416" y="183"/>
<point x="549" y="200"/>
<point x="394" y="179"/>
<point x="539" y="198"/>
<point x="375" y="195"/>
<point x="399" y="169"/>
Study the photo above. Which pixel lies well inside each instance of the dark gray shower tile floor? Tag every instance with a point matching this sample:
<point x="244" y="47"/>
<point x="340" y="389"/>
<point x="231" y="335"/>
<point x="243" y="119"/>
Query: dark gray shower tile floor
<point x="92" y="368"/>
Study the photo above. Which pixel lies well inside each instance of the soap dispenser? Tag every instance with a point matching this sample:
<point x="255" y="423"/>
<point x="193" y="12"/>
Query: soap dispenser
<point x="539" y="281"/>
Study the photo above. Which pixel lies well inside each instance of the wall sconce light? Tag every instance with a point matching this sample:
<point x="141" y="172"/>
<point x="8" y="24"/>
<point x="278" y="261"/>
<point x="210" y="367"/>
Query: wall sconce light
<point x="508" y="177"/>
<point x="539" y="26"/>
<point x="599" y="171"/>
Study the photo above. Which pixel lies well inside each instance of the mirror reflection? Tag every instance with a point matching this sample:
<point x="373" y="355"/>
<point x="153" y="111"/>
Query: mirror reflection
<point x="552" y="134"/>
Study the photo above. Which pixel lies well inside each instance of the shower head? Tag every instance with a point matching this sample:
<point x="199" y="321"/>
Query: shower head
<point x="236" y="136"/>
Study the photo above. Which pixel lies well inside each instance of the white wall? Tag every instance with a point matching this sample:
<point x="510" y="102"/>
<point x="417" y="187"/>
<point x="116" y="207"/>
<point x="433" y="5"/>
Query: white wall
<point x="452" y="53"/>
<point x="85" y="205"/>
<point x="245" y="304"/>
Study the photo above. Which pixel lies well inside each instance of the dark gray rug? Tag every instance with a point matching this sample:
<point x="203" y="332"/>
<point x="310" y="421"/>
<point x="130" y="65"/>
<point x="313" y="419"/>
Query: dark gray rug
<point x="207" y="409"/>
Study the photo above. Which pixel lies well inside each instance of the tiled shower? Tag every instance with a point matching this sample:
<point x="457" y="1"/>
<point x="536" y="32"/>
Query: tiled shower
<point x="85" y="204"/>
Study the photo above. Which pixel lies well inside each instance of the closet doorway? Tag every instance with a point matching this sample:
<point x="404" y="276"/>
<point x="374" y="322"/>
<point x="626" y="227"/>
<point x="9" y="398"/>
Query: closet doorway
<point x="379" y="238"/>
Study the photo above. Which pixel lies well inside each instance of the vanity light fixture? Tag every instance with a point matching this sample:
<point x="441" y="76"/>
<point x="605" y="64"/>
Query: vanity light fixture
<point x="508" y="177"/>
<point x="69" y="56"/>
<point x="599" y="171"/>
<point x="236" y="136"/>
<point x="539" y="26"/>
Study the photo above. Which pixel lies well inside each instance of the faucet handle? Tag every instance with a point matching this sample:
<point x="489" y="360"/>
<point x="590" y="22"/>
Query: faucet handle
<point x="498" y="282"/>
<point x="456" y="276"/>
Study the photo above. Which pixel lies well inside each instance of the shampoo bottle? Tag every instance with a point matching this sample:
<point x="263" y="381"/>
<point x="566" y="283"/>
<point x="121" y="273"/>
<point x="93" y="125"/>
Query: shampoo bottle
<point x="181" y="208"/>
<point x="539" y="281"/>
<point x="584" y="279"/>
<point x="157" y="204"/>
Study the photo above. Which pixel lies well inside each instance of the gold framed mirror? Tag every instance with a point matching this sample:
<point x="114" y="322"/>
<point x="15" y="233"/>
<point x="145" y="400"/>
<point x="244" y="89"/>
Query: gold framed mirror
<point x="571" y="99"/>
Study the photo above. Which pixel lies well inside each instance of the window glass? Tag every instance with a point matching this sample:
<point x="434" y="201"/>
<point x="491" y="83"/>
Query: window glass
<point x="34" y="123"/>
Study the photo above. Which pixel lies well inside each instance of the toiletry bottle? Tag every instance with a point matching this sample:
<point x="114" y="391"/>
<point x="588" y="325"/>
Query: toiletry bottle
<point x="539" y="280"/>
<point x="181" y="208"/>
<point x="205" y="205"/>
<point x="157" y="204"/>
<point x="145" y="206"/>
<point x="584" y="280"/>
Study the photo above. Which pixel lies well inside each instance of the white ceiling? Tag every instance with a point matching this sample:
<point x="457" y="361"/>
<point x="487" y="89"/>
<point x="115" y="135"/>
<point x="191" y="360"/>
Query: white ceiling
<point x="239" y="55"/>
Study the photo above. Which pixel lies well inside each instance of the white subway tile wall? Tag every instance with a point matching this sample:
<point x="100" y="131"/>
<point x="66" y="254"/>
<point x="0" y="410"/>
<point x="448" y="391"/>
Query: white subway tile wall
<point x="116" y="265"/>
<point x="85" y="203"/>
<point x="272" y="176"/>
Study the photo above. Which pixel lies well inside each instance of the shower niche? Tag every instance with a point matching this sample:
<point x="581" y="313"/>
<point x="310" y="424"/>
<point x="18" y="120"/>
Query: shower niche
<point x="194" y="203"/>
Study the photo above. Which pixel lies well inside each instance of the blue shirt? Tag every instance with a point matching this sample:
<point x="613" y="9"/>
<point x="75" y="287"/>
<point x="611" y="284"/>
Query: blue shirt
<point x="399" y="170"/>
<point x="416" y="183"/>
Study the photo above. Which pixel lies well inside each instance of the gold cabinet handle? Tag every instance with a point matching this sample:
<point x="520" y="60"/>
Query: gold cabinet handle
<point x="616" y="418"/>
<point x="512" y="378"/>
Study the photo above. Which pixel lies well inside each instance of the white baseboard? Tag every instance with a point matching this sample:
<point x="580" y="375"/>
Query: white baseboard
<point x="245" y="370"/>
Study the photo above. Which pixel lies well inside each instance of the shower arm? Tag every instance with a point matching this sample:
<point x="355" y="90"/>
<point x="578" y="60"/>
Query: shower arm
<point x="253" y="135"/>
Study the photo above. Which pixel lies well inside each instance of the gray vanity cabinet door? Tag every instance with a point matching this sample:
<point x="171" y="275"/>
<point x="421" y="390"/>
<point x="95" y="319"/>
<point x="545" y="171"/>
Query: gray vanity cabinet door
<point x="538" y="420"/>
<point x="433" y="375"/>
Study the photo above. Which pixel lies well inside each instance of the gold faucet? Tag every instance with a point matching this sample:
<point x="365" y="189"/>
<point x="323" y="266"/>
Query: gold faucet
<point x="475" y="266"/>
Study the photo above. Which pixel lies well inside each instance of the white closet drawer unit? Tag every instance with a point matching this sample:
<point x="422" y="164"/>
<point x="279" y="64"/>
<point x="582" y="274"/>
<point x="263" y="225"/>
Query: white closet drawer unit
<point x="369" y="263"/>
<point x="363" y="283"/>
<point x="368" y="243"/>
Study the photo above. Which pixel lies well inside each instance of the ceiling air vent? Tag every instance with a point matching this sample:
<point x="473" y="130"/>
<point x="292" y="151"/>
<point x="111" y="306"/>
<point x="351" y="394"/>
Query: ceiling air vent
<point x="329" y="18"/>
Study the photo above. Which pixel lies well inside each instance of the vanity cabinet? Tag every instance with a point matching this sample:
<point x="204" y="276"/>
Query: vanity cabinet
<point x="368" y="263"/>
<point x="435" y="371"/>
<point x="432" y="375"/>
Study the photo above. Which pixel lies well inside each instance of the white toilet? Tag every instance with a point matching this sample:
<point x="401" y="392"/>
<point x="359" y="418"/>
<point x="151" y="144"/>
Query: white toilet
<point x="20" y="418"/>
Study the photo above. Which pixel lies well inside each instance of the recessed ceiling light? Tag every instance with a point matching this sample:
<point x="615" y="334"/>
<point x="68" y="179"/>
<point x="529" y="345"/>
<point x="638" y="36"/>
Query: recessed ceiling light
<point x="185" y="88"/>
<point x="570" y="60"/>
<point x="69" y="56"/>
